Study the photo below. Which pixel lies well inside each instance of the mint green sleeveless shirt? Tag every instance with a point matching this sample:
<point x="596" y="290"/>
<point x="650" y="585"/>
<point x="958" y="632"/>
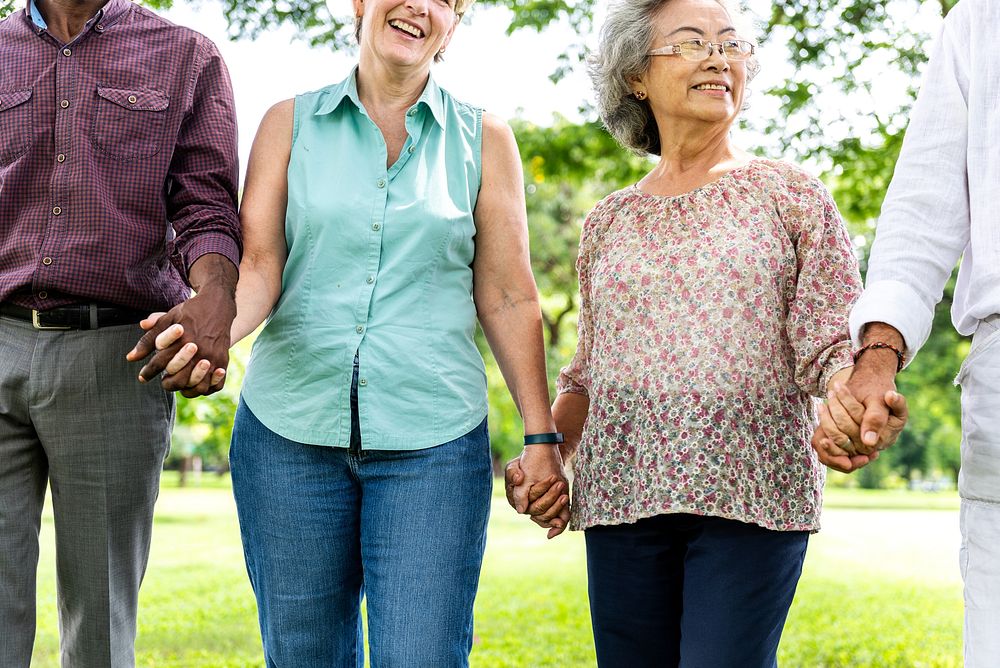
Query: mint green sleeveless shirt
<point x="379" y="262"/>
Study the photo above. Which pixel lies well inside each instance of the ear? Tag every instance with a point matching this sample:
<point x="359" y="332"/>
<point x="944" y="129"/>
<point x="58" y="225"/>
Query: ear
<point x="451" y="32"/>
<point x="637" y="85"/>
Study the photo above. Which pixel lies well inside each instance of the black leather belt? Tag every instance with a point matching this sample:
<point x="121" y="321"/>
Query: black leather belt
<point x="73" y="316"/>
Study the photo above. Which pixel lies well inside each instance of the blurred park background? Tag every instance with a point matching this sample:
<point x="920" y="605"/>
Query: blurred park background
<point x="881" y="585"/>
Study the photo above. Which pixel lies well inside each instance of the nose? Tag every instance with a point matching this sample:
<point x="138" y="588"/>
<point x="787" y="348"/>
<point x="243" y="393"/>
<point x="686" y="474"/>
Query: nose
<point x="717" y="60"/>
<point x="418" y="7"/>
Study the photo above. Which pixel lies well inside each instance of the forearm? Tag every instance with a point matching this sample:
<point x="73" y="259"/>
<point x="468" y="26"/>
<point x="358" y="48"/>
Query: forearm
<point x="256" y="294"/>
<point x="570" y="413"/>
<point x="880" y="362"/>
<point x="513" y="329"/>
<point x="214" y="273"/>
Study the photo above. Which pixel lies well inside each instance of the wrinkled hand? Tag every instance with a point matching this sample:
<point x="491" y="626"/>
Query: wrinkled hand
<point x="867" y="410"/>
<point x="843" y="418"/>
<point x="835" y="457"/>
<point x="837" y="439"/>
<point x="199" y="326"/>
<point x="536" y="485"/>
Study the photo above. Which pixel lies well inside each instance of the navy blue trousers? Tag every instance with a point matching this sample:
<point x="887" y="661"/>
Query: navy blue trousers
<point x="691" y="591"/>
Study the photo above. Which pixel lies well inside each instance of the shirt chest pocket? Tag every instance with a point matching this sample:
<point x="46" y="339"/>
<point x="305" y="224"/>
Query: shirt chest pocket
<point x="15" y="124"/>
<point x="128" y="122"/>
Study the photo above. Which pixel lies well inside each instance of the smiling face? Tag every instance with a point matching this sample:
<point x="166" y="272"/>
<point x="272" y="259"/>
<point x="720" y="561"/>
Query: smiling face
<point x="709" y="91"/>
<point x="406" y="33"/>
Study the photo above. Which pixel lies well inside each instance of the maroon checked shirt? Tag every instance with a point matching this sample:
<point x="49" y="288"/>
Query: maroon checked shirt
<point x="118" y="164"/>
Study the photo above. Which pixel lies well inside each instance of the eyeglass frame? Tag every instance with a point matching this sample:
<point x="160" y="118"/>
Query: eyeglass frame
<point x="674" y="50"/>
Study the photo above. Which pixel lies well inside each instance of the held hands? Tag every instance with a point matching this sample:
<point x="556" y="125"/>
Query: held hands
<point x="199" y="381"/>
<point x="536" y="485"/>
<point x="200" y="324"/>
<point x="861" y="418"/>
<point x="177" y="336"/>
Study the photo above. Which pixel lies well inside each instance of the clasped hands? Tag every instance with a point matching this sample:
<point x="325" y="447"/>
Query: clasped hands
<point x="862" y="416"/>
<point x="201" y="324"/>
<point x="536" y="485"/>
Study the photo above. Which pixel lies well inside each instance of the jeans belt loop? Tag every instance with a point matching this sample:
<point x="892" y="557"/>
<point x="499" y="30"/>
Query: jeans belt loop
<point x="93" y="315"/>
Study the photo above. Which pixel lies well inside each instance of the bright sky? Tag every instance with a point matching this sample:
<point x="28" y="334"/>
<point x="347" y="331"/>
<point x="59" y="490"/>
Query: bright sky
<point x="506" y="75"/>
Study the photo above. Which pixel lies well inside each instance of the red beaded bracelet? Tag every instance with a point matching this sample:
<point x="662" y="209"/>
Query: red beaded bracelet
<point x="900" y="358"/>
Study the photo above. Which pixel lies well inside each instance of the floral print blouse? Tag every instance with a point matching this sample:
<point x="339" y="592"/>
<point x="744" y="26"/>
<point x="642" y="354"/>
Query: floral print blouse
<point x="706" y="322"/>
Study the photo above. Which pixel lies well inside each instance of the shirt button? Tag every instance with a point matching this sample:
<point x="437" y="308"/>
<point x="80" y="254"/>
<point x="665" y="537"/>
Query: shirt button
<point x="380" y="183"/>
<point x="99" y="27"/>
<point x="46" y="261"/>
<point x="64" y="104"/>
<point x="412" y="112"/>
<point x="376" y="226"/>
<point x="67" y="52"/>
<point x="363" y="382"/>
<point x="56" y="210"/>
<point x="411" y="149"/>
<point x="370" y="280"/>
<point x="132" y="99"/>
<point x="43" y="294"/>
<point x="61" y="157"/>
<point x="359" y="329"/>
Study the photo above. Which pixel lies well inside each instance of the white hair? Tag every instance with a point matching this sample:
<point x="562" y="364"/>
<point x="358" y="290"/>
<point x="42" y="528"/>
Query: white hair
<point x="625" y="39"/>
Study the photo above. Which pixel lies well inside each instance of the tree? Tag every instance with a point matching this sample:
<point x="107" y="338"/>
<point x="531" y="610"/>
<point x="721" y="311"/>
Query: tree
<point x="856" y="65"/>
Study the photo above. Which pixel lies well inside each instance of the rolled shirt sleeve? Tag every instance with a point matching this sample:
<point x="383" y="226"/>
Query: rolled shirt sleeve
<point x="202" y="181"/>
<point x="924" y="226"/>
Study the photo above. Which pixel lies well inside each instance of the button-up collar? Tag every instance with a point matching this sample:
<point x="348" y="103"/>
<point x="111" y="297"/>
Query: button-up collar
<point x="430" y="98"/>
<point x="106" y="16"/>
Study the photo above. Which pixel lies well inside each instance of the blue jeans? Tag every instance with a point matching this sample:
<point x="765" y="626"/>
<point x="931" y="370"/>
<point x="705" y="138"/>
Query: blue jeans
<point x="691" y="591"/>
<point x="323" y="527"/>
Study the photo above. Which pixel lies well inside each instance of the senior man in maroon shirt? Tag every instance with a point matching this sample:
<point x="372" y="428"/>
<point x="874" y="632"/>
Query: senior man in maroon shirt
<point x="118" y="173"/>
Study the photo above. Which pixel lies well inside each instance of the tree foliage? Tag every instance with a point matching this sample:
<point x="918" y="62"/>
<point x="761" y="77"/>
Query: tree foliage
<point x="855" y="68"/>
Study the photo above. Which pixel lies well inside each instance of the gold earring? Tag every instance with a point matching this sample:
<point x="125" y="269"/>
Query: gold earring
<point x="640" y="95"/>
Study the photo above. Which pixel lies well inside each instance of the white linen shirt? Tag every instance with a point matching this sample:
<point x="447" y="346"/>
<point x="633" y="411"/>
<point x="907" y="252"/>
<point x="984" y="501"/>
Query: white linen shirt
<point x="944" y="199"/>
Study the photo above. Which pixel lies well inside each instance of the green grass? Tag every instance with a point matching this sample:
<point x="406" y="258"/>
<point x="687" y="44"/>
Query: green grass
<point x="880" y="588"/>
<point x="897" y="499"/>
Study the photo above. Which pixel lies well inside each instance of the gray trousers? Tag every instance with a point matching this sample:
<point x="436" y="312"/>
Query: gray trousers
<point x="979" y="487"/>
<point x="73" y="415"/>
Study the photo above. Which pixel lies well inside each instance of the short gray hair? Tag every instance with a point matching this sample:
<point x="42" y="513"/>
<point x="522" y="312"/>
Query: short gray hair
<point x="625" y="38"/>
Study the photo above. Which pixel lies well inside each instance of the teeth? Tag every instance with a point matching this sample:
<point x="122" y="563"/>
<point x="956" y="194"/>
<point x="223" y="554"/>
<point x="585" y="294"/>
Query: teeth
<point x="710" y="87"/>
<point x="407" y="28"/>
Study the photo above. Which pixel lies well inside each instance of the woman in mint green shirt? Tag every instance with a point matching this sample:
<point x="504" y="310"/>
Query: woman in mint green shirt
<point x="381" y="219"/>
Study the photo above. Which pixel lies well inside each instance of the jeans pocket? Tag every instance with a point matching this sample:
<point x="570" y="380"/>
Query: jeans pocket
<point x="985" y="337"/>
<point x="129" y="121"/>
<point x="15" y="124"/>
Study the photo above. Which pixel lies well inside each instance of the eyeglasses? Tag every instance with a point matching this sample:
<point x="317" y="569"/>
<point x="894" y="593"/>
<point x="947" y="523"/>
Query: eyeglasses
<point x="698" y="49"/>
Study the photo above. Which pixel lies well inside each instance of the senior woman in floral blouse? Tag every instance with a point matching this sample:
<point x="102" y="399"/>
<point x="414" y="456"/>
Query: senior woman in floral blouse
<point x="714" y="303"/>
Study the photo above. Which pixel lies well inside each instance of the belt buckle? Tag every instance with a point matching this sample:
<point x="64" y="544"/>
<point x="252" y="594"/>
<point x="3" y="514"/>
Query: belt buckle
<point x="36" y="323"/>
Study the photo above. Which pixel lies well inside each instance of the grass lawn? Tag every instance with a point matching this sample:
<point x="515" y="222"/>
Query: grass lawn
<point x="880" y="588"/>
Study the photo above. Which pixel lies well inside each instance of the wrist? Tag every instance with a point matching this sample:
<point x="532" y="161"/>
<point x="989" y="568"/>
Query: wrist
<point x="882" y="354"/>
<point x="567" y="450"/>
<point x="878" y="365"/>
<point x="544" y="438"/>
<point x="213" y="273"/>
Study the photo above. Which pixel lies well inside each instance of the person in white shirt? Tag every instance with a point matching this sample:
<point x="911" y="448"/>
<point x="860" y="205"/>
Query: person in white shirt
<point x="942" y="204"/>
